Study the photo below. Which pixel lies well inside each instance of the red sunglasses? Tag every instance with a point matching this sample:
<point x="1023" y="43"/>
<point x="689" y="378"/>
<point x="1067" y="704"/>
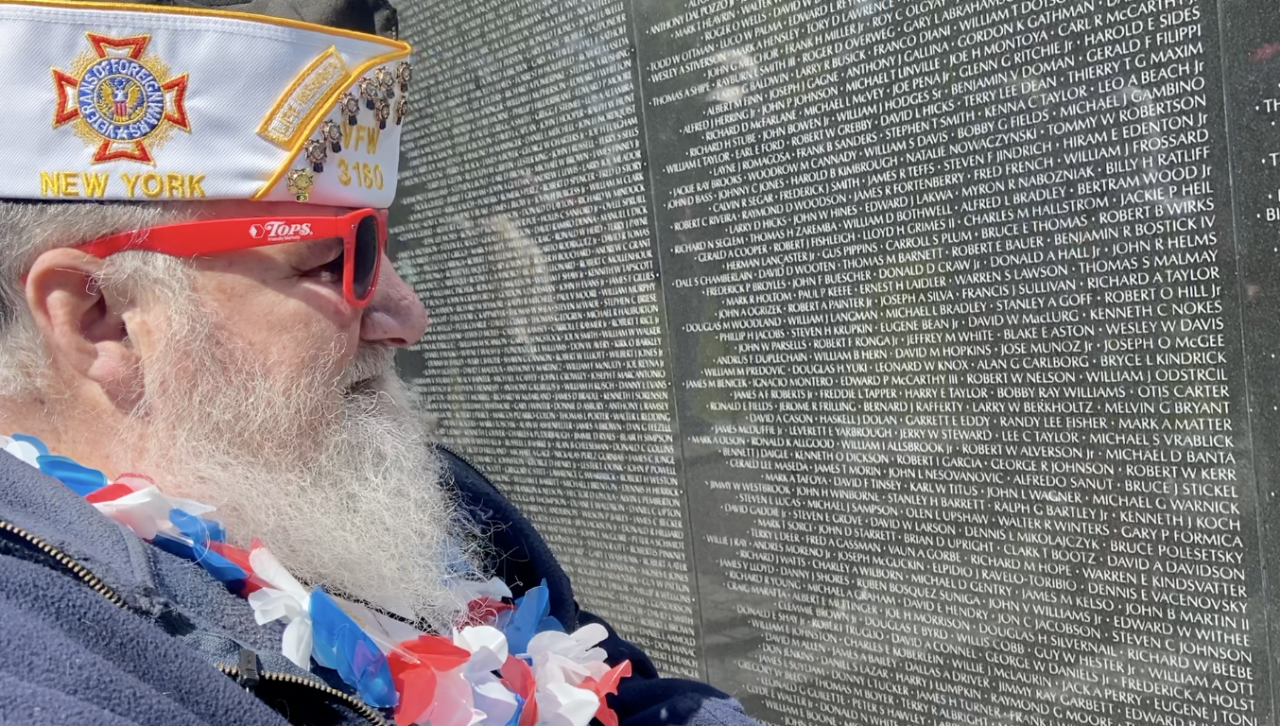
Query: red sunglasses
<point x="363" y="234"/>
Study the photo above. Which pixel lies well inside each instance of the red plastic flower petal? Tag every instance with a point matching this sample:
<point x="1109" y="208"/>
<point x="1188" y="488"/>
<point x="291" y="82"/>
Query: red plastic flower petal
<point x="607" y="686"/>
<point x="240" y="558"/>
<point x="484" y="610"/>
<point x="517" y="676"/>
<point x="437" y="651"/>
<point x="416" y="685"/>
<point x="109" y="493"/>
<point x="413" y="671"/>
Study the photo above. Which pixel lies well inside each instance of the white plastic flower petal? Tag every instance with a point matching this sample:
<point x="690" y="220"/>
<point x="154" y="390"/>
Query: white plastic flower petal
<point x="297" y="642"/>
<point x="568" y="658"/>
<point x="287" y="599"/>
<point x="270" y="604"/>
<point x="560" y="704"/>
<point x="195" y="509"/>
<point x="543" y="650"/>
<point x="467" y="590"/>
<point x="134" y="482"/>
<point x="578" y="645"/>
<point x="146" y="512"/>
<point x="268" y="568"/>
<point x="453" y="704"/>
<point x="494" y="702"/>
<point x="590" y="635"/>
<point x="596" y="669"/>
<point x="488" y="648"/>
<point x="21" y="449"/>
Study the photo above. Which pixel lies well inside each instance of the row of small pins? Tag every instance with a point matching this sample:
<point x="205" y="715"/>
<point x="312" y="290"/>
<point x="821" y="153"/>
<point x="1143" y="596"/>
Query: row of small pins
<point x="377" y="93"/>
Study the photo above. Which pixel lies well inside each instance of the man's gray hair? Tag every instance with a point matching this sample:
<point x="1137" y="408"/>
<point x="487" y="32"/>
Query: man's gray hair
<point x="29" y="229"/>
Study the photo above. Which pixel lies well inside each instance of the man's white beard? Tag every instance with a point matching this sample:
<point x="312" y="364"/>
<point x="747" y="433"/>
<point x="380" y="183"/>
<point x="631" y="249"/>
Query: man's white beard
<point x="333" y="472"/>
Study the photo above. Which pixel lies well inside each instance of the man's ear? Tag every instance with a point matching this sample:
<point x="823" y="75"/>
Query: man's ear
<point x="83" y="327"/>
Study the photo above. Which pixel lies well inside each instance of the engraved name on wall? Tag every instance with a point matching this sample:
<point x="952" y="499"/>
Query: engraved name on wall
<point x="528" y="238"/>
<point x="950" y="289"/>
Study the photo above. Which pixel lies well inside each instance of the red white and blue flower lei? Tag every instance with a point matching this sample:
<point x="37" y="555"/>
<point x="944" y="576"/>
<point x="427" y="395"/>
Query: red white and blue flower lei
<point x="511" y="665"/>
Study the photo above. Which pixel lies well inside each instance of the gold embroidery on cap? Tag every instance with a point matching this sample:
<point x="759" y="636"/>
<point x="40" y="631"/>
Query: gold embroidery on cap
<point x="315" y="123"/>
<point x="306" y="96"/>
<point x="121" y="99"/>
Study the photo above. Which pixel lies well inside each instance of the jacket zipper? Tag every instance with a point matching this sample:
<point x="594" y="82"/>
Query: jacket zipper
<point x="354" y="703"/>
<point x="76" y="568"/>
<point x="114" y="598"/>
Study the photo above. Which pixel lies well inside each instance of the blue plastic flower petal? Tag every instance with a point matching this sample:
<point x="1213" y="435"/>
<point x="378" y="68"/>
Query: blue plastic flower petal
<point x="326" y="624"/>
<point x="340" y="644"/>
<point x="201" y="531"/>
<point x="190" y="525"/>
<point x="37" y="443"/>
<point x="215" y="530"/>
<point x="82" y="480"/>
<point x="174" y="546"/>
<point x="531" y="609"/>
<point x="550" y="623"/>
<point x="222" y="569"/>
<point x="372" y="673"/>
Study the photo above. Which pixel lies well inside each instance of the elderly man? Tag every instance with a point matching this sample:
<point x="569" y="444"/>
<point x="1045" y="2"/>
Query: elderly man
<point x="216" y="505"/>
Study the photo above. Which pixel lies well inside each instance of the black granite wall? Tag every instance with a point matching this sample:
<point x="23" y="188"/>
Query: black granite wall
<point x="880" y="362"/>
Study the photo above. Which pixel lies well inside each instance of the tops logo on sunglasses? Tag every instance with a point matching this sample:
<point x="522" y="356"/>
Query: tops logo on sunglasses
<point x="279" y="231"/>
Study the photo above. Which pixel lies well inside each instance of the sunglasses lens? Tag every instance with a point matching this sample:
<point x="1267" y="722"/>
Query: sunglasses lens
<point x="366" y="257"/>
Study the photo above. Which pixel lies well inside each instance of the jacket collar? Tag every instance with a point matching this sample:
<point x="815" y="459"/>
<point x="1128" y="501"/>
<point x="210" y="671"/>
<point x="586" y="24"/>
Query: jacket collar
<point x="45" y="508"/>
<point x="152" y="581"/>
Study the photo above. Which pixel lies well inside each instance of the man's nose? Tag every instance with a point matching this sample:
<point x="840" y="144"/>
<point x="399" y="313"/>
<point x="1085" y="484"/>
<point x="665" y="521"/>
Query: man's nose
<point x="395" y="316"/>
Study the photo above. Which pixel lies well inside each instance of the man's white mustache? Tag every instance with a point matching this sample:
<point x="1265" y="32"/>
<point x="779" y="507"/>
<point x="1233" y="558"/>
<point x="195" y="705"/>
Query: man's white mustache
<point x="370" y="361"/>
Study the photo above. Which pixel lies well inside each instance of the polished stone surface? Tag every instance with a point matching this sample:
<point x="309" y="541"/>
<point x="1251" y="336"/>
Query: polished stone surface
<point x="880" y="362"/>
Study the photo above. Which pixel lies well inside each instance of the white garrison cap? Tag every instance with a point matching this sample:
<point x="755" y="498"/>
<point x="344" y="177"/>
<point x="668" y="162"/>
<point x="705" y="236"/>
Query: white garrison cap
<point x="116" y="101"/>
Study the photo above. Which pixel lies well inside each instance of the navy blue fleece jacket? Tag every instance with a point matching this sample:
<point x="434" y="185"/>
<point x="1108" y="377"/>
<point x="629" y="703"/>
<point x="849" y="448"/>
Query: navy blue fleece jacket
<point x="99" y="627"/>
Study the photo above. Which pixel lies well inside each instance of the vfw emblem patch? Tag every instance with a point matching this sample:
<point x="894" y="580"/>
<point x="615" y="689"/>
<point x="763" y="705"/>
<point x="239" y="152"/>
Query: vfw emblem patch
<point x="121" y="99"/>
